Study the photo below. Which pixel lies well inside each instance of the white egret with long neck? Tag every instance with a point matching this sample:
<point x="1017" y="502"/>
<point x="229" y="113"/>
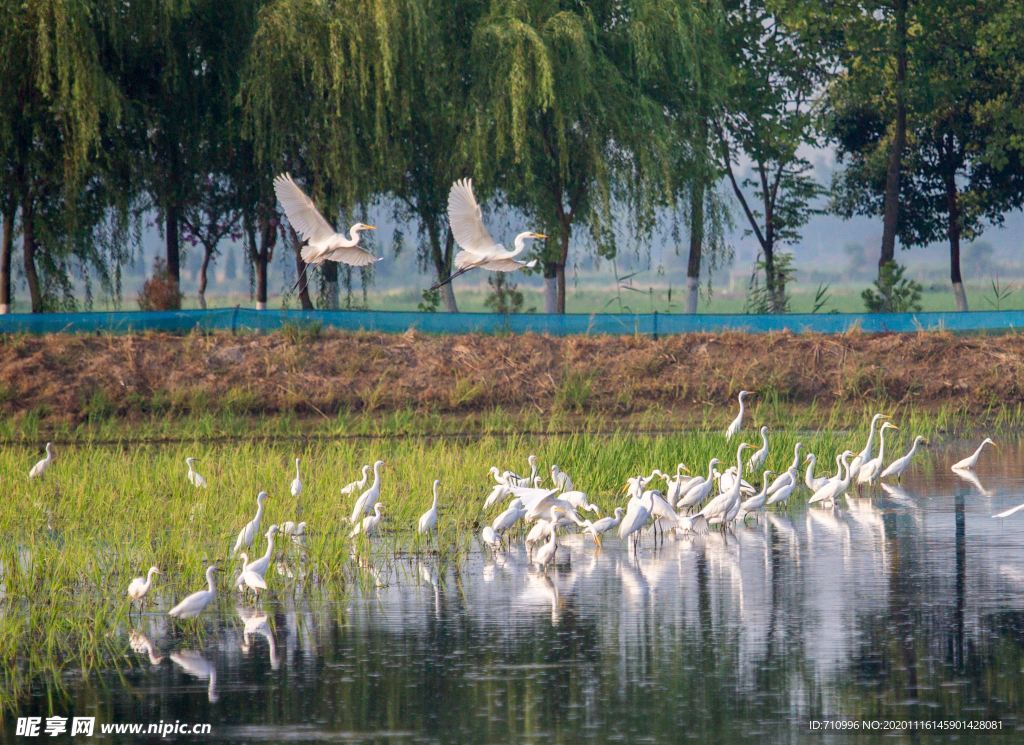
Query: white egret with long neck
<point x="358" y="485"/>
<point x="718" y="508"/>
<point x="968" y="463"/>
<point x="248" y="534"/>
<point x="368" y="498"/>
<point x="737" y="423"/>
<point x="479" y="249"/>
<point x="194" y="477"/>
<point x="139" y="587"/>
<point x="898" y="466"/>
<point x="296" y="488"/>
<point x="870" y="469"/>
<point x="196" y="603"/>
<point x="865" y="455"/>
<point x="428" y="520"/>
<point x="323" y="242"/>
<point x="40" y="467"/>
<point x="700" y="490"/>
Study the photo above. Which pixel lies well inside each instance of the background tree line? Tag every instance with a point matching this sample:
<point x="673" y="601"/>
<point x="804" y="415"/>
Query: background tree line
<point x="574" y="114"/>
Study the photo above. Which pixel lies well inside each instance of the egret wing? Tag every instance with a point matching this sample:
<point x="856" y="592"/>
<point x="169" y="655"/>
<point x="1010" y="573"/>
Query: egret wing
<point x="301" y="212"/>
<point x="467" y="221"/>
<point x="352" y="255"/>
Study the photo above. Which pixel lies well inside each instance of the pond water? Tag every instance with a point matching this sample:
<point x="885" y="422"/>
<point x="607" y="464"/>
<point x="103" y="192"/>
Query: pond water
<point x="907" y="606"/>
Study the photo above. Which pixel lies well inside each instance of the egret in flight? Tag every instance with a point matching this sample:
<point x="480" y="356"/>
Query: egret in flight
<point x="323" y="243"/>
<point x="479" y="249"/>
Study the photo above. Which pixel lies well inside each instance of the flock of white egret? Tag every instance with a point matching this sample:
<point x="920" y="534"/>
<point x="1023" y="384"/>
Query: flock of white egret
<point x="687" y="504"/>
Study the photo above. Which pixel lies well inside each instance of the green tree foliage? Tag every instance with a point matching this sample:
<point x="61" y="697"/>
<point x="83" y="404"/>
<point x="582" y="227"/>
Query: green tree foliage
<point x="768" y="116"/>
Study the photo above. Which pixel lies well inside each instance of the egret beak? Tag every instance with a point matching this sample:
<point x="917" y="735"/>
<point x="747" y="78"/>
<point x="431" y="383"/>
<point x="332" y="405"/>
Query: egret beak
<point x="540" y="236"/>
<point x="370" y="227"/>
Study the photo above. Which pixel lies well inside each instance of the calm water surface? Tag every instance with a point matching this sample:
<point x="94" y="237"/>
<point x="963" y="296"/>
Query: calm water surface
<point x="909" y="605"/>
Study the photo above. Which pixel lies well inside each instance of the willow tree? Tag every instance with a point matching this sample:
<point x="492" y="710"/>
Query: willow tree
<point x="56" y="97"/>
<point x="561" y="123"/>
<point x="321" y="94"/>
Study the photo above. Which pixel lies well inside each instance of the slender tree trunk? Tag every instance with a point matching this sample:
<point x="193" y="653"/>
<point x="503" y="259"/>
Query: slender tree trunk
<point x="207" y="255"/>
<point x="28" y="241"/>
<point x="6" y="251"/>
<point x="442" y="260"/>
<point x="300" y="269"/>
<point x="696" y="246"/>
<point x="261" y="254"/>
<point x="892" y="175"/>
<point x="953" y="230"/>
<point x="171" y="225"/>
<point x="330" y="293"/>
<point x="564" y="234"/>
<point x="550" y="287"/>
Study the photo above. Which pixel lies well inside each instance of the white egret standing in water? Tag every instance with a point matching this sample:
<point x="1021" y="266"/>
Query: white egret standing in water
<point x="871" y="469"/>
<point x="139" y="586"/>
<point x="898" y="466"/>
<point x="865" y="454"/>
<point x="479" y="249"/>
<point x="194" y="477"/>
<point x="602" y="526"/>
<point x="248" y="534"/>
<point x="968" y="463"/>
<point x="369" y="497"/>
<point x="323" y="243"/>
<point x="369" y="524"/>
<point x="428" y="520"/>
<point x="737" y="423"/>
<point x="356" y="486"/>
<point x="40" y="467"/>
<point x="196" y="603"/>
<point x="297" y="481"/>
<point x="760" y="455"/>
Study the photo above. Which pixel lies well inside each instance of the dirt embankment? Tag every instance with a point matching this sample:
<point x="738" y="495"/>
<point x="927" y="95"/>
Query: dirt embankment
<point x="72" y="378"/>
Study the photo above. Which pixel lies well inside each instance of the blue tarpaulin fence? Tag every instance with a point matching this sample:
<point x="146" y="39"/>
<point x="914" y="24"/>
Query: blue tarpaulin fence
<point x="646" y="324"/>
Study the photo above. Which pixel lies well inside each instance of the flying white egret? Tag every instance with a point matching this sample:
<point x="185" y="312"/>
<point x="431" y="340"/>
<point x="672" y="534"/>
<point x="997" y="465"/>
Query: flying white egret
<point x="871" y="469"/>
<point x="602" y="526"/>
<point x="323" y="243"/>
<point x="561" y="479"/>
<point x="757" y="502"/>
<point x="356" y="486"/>
<point x="545" y="508"/>
<point x="719" y="508"/>
<point x="297" y="481"/>
<point x="428" y="521"/>
<point x="898" y="466"/>
<point x="737" y="423"/>
<point x="835" y="487"/>
<point x="248" y="534"/>
<point x="968" y="464"/>
<point x="865" y="455"/>
<point x="369" y="497"/>
<point x="139" y="586"/>
<point x="761" y="454"/>
<point x="810" y="480"/>
<point x="700" y="490"/>
<point x="479" y="249"/>
<point x="790" y="474"/>
<point x="194" y="477"/>
<point x="196" y="603"/>
<point x="369" y="524"/>
<point x="40" y="467"/>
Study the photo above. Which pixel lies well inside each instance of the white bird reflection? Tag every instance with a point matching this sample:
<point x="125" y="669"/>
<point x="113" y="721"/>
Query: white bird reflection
<point x="256" y="623"/>
<point x="141" y="644"/>
<point x="193" y="663"/>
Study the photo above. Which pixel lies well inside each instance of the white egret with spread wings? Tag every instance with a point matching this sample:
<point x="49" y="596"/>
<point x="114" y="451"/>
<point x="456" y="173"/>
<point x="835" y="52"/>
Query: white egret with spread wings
<point x="323" y="242"/>
<point x="479" y="249"/>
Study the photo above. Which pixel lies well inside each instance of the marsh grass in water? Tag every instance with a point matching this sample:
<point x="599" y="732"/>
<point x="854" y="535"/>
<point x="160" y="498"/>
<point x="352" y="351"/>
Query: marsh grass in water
<point x="104" y="513"/>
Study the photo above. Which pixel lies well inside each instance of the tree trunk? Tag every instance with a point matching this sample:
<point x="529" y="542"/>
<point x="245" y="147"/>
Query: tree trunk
<point x="696" y="246"/>
<point x="173" y="245"/>
<point x="28" y="241"/>
<point x="330" y="291"/>
<point x="442" y="260"/>
<point x="207" y="255"/>
<point x="892" y="175"/>
<point x="6" y="250"/>
<point x="550" y="289"/>
<point x="303" y="273"/>
<point x="953" y="230"/>
<point x="564" y="234"/>
<point x="261" y="254"/>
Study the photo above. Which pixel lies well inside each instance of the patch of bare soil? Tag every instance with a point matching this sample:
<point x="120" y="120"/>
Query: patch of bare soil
<point x="70" y="378"/>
